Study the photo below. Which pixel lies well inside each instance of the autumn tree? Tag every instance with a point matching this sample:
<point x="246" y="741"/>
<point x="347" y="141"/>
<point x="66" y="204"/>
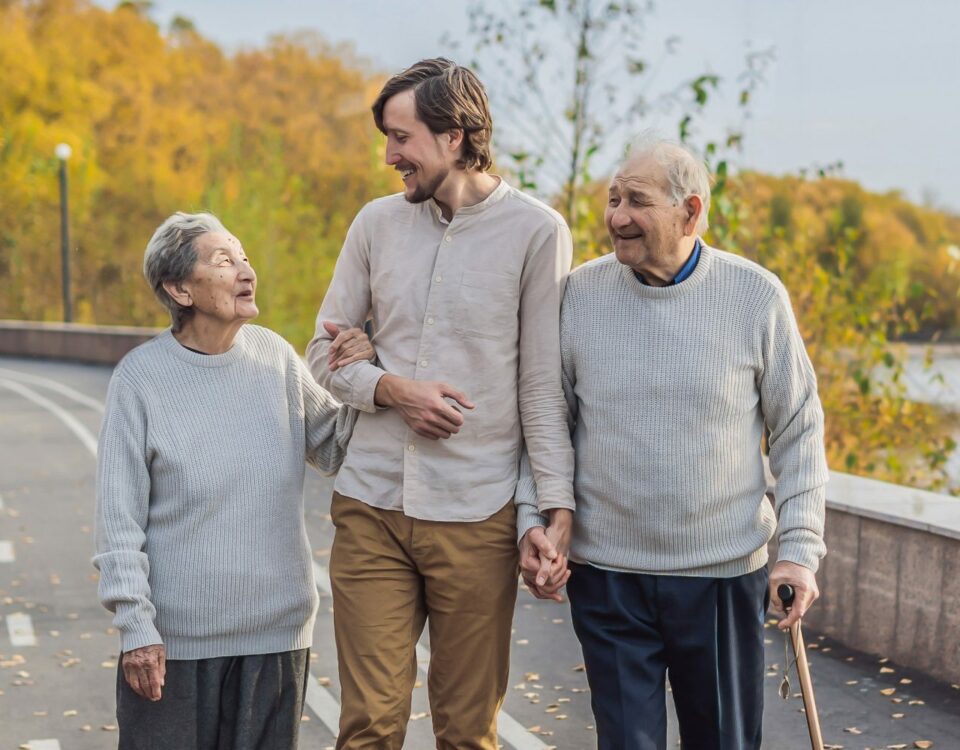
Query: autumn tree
<point x="278" y="141"/>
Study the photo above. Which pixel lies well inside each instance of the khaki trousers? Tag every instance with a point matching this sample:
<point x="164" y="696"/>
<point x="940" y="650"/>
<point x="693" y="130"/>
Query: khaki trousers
<point x="390" y="574"/>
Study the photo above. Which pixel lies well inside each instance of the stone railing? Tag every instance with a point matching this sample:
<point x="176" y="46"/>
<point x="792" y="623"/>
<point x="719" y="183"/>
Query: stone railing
<point x="890" y="583"/>
<point x="70" y="341"/>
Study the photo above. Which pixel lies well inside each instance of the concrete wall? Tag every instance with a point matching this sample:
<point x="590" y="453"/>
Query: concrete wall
<point x="70" y="341"/>
<point x="890" y="583"/>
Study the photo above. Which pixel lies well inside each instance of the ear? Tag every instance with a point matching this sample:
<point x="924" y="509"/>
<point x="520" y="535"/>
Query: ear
<point x="179" y="293"/>
<point x="693" y="206"/>
<point x="455" y="138"/>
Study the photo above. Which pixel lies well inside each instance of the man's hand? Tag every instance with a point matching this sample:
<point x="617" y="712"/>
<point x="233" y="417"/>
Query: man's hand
<point x="422" y="404"/>
<point x="804" y="586"/>
<point x="543" y="556"/>
<point x="145" y="669"/>
<point x="348" y="346"/>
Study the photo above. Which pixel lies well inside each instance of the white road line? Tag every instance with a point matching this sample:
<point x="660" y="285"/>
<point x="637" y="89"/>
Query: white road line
<point x="323" y="704"/>
<point x="43" y="744"/>
<point x="20" y="629"/>
<point x="6" y="551"/>
<point x="509" y="728"/>
<point x="71" y="422"/>
<point x="52" y="385"/>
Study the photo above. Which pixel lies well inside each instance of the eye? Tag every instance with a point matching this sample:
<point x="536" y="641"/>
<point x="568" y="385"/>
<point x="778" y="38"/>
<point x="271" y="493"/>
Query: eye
<point x="613" y="201"/>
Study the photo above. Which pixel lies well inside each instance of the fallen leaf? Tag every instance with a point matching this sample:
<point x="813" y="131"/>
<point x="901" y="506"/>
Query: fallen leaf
<point x="852" y="730"/>
<point x="924" y="744"/>
<point x="906" y="681"/>
<point x="888" y="691"/>
<point x="70" y="712"/>
<point x="887" y="670"/>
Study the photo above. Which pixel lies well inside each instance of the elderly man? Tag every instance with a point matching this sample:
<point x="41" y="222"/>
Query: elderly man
<point x="462" y="276"/>
<point x="676" y="357"/>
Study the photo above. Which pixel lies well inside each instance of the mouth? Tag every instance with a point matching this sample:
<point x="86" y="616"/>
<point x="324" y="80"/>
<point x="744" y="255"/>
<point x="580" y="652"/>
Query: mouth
<point x="406" y="172"/>
<point x="620" y="236"/>
<point x="248" y="294"/>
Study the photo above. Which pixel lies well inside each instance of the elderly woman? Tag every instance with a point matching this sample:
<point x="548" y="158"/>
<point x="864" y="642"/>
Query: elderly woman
<point x="201" y="544"/>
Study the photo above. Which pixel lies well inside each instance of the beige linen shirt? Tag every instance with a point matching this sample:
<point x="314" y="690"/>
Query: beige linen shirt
<point x="474" y="302"/>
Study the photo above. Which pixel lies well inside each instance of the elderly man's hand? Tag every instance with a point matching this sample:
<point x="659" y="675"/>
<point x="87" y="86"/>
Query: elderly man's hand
<point x="145" y="669"/>
<point x="348" y="346"/>
<point x="543" y="556"/>
<point x="804" y="586"/>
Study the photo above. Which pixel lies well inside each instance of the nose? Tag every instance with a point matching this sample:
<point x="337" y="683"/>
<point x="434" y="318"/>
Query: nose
<point x="246" y="272"/>
<point x="393" y="153"/>
<point x="619" y="217"/>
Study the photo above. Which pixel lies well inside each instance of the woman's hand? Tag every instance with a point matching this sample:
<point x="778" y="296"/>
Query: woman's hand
<point x="145" y="669"/>
<point x="348" y="346"/>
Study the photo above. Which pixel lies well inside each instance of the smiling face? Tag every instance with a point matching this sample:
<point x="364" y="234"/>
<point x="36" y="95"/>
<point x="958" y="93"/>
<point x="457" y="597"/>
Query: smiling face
<point x="645" y="224"/>
<point x="424" y="159"/>
<point x="223" y="285"/>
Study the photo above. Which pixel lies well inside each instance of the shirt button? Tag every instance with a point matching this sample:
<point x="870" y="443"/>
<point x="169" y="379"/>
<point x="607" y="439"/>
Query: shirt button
<point x="411" y="447"/>
<point x="448" y="238"/>
<point x="423" y="363"/>
<point x="438" y="278"/>
<point x="429" y="321"/>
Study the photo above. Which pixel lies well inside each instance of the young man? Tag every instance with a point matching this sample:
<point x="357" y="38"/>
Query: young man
<point x="462" y="278"/>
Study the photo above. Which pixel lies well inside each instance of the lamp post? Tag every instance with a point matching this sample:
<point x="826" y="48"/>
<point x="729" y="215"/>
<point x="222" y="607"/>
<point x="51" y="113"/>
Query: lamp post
<point x="63" y="152"/>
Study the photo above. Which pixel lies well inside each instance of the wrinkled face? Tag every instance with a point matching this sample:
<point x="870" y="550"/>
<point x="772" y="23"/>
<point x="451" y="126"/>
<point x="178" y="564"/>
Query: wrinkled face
<point x="223" y="284"/>
<point x="414" y="150"/>
<point x="644" y="223"/>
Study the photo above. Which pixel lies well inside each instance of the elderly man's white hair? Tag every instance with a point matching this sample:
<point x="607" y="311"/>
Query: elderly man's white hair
<point x="686" y="173"/>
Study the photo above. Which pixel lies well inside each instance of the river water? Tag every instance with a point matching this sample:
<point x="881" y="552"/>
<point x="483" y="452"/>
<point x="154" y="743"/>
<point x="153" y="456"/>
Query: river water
<point x="938" y="384"/>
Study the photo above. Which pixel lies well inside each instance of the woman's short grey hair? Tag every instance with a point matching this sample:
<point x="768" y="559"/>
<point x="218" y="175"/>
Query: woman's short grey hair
<point x="171" y="255"/>
<point x="686" y="173"/>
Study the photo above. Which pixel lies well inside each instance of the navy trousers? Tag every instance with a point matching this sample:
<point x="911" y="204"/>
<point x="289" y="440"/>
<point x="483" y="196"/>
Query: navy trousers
<point x="707" y="633"/>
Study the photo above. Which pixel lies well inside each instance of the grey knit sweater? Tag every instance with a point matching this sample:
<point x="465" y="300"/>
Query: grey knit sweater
<point x="201" y="543"/>
<point x="669" y="390"/>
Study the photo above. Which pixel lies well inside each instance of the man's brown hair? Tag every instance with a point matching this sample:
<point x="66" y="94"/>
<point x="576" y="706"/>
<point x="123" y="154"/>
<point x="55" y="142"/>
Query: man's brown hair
<point x="448" y="97"/>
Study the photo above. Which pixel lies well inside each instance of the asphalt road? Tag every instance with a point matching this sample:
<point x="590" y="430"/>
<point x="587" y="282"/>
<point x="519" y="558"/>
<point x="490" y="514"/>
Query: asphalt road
<point x="58" y="651"/>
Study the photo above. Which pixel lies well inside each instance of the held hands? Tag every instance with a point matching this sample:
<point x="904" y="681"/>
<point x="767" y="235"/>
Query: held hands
<point x="144" y="669"/>
<point x="804" y="584"/>
<point x="348" y="346"/>
<point x="543" y="556"/>
<point x="423" y="405"/>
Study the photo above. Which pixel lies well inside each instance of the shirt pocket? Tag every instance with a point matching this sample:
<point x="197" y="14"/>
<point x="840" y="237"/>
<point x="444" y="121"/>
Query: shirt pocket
<point x="487" y="305"/>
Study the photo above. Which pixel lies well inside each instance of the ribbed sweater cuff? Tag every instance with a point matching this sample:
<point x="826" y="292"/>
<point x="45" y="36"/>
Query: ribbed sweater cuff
<point x="139" y="634"/>
<point x="800" y="538"/>
<point x="801" y="552"/>
<point x="528" y="518"/>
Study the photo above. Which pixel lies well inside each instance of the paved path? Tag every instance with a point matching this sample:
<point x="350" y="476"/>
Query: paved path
<point x="58" y="653"/>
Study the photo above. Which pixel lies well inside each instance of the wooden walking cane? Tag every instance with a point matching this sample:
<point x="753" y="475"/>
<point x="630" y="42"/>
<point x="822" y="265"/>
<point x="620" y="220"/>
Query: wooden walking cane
<point x="786" y="593"/>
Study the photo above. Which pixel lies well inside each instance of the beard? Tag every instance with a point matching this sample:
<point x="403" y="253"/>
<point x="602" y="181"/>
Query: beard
<point x="425" y="192"/>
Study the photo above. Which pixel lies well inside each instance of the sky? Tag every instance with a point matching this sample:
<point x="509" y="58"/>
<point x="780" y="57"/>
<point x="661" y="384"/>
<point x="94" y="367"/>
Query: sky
<point x="874" y="84"/>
